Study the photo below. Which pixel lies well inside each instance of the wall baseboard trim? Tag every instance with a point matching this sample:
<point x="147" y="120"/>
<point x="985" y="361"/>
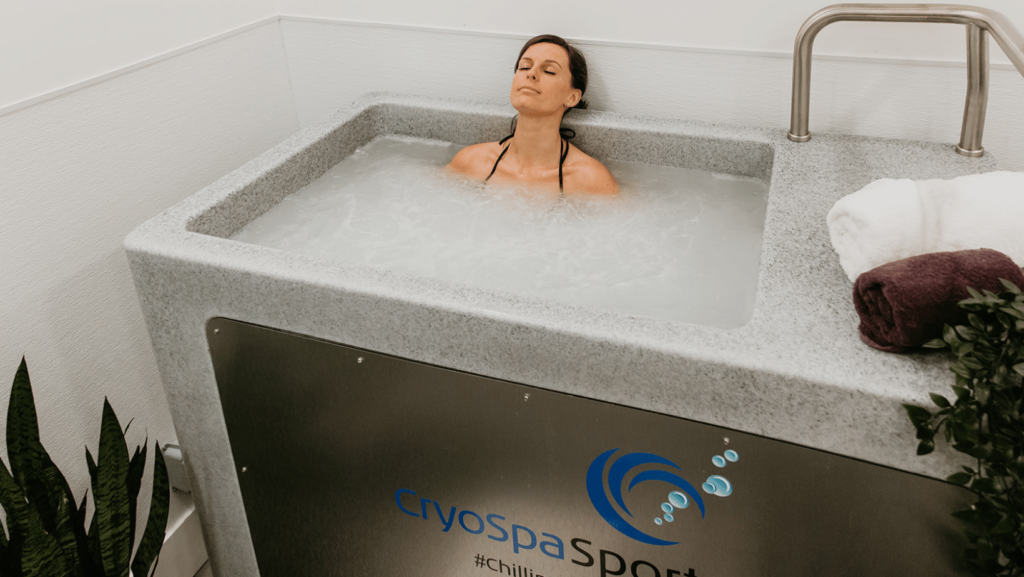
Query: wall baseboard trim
<point x="136" y="66"/>
<point x="641" y="45"/>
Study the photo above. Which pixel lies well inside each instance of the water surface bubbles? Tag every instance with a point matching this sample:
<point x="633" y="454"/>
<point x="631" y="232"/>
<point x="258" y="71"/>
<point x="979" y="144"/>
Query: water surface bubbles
<point x="676" y="244"/>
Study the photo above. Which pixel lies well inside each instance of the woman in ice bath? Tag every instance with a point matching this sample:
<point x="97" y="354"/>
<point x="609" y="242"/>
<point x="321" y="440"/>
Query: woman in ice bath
<point x="550" y="78"/>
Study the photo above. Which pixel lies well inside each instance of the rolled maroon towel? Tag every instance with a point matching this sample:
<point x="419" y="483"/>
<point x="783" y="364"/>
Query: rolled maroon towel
<point x="904" y="304"/>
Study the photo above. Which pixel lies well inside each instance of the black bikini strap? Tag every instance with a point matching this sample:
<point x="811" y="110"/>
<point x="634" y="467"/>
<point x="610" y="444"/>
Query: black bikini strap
<point x="563" y="152"/>
<point x="500" y="156"/>
<point x="561" y="161"/>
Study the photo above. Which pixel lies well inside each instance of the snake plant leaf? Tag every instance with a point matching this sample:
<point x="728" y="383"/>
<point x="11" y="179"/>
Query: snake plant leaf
<point x="87" y="563"/>
<point x="6" y="554"/>
<point x="80" y="520"/>
<point x="94" y="544"/>
<point x="93" y="471"/>
<point x="67" y="512"/>
<point x="39" y="552"/>
<point x="156" y="525"/>
<point x="41" y="555"/>
<point x="110" y="495"/>
<point x="44" y="485"/>
<point x="13" y="500"/>
<point x="94" y="530"/>
<point x="135" y="469"/>
<point x="28" y="458"/>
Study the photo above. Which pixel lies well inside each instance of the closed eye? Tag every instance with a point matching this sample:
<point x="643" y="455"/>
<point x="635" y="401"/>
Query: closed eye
<point x="549" y="72"/>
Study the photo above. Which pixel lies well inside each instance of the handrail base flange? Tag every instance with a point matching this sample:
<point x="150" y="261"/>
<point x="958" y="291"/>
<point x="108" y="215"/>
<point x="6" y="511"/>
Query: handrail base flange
<point x="971" y="153"/>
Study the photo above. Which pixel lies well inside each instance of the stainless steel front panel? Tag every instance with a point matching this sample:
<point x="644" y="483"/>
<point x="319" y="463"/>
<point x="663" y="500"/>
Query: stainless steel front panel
<point x="356" y="463"/>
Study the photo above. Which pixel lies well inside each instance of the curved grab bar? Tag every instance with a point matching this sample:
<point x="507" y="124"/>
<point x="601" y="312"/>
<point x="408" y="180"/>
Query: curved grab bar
<point x="978" y="21"/>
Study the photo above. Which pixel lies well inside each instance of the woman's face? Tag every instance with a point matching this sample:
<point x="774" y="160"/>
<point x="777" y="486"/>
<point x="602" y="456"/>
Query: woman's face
<point x="542" y="83"/>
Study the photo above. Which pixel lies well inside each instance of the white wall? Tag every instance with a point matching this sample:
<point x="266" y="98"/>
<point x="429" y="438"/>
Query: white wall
<point x="49" y="44"/>
<point x="77" y="173"/>
<point x="716" y="61"/>
<point x="752" y="25"/>
<point x="333" y="62"/>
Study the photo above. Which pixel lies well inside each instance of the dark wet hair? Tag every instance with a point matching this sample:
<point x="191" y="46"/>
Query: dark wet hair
<point x="577" y="63"/>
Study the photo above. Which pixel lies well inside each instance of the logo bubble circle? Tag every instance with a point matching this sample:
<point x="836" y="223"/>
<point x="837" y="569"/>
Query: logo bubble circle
<point x="678" y="500"/>
<point x="717" y="485"/>
<point x="657" y="521"/>
<point x="731" y="456"/>
<point x="669" y="517"/>
<point x="718" y="460"/>
<point x="666" y="507"/>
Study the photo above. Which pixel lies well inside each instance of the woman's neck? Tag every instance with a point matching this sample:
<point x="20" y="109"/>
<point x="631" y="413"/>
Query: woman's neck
<point x="537" y="142"/>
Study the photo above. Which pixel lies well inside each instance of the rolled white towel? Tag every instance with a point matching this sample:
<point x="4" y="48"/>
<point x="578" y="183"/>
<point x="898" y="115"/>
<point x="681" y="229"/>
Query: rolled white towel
<point x="889" y="220"/>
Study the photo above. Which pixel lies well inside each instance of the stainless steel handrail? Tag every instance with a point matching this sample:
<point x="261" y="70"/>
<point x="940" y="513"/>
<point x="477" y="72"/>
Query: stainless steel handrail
<point x="979" y="21"/>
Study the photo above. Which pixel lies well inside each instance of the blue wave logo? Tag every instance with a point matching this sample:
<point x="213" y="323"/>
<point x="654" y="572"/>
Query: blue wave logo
<point x="602" y="494"/>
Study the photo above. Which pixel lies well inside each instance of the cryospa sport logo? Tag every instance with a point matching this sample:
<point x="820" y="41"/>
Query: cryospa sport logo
<point x="603" y="489"/>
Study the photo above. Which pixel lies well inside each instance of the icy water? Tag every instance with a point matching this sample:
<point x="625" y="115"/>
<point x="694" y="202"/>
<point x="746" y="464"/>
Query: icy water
<point x="675" y="244"/>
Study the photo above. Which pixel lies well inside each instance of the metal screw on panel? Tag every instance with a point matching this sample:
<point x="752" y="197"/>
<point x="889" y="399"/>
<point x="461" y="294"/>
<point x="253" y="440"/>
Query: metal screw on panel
<point x="244" y="469"/>
<point x="526" y="397"/>
<point x="359" y="360"/>
<point x="215" y="331"/>
<point x="726" y="439"/>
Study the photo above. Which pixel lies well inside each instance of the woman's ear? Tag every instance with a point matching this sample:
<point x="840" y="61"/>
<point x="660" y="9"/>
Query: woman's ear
<point x="574" y="98"/>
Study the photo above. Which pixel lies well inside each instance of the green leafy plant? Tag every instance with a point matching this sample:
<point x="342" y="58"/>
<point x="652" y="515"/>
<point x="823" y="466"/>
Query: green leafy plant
<point x="46" y="533"/>
<point x="985" y="421"/>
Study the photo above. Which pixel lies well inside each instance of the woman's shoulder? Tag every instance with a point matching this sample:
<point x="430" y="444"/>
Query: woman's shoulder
<point x="474" y="158"/>
<point x="590" y="175"/>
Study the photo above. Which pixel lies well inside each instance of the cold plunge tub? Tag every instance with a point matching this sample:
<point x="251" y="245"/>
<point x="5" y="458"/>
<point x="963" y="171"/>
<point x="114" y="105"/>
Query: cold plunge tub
<point x="796" y="372"/>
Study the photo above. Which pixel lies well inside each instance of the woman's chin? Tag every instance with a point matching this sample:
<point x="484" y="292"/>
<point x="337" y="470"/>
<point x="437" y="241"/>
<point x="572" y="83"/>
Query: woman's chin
<point x="530" y="107"/>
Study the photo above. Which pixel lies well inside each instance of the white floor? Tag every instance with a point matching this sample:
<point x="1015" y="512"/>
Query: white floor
<point x="183" y="553"/>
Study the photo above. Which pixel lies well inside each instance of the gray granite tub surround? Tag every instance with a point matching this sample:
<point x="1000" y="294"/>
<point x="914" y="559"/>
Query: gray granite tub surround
<point x="796" y="372"/>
